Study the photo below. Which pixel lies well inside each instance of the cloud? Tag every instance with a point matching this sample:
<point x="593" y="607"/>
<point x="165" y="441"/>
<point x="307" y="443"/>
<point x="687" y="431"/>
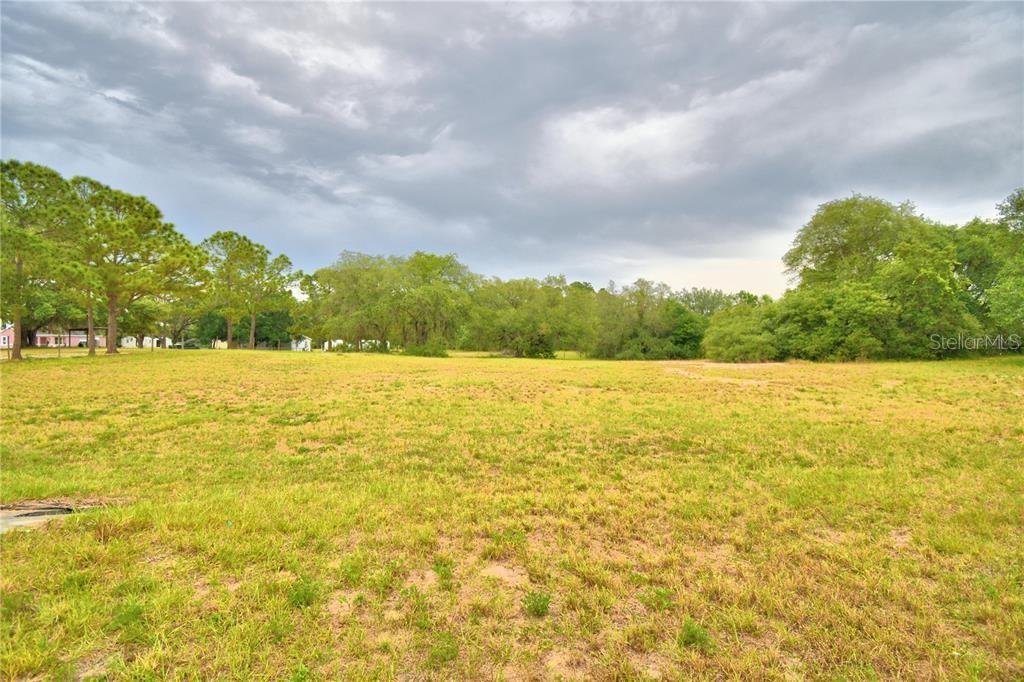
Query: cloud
<point x="224" y="80"/>
<point x="444" y="157"/>
<point x="605" y="141"/>
<point x="608" y="149"/>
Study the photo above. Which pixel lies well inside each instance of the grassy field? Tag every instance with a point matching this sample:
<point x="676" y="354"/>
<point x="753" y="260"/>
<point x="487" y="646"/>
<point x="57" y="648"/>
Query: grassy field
<point x="324" y="516"/>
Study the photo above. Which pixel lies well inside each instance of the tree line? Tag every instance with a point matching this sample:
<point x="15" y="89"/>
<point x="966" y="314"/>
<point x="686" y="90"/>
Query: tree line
<point x="871" y="280"/>
<point x="875" y="280"/>
<point x="76" y="251"/>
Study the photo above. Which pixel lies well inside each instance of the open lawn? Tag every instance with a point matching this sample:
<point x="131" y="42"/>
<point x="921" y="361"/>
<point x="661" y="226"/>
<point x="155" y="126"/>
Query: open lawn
<point x="325" y="516"/>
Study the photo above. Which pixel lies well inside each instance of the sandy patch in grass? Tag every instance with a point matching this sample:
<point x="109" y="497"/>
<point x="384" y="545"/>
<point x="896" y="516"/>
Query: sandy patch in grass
<point x="900" y="538"/>
<point x="715" y="378"/>
<point x="565" y="665"/>
<point x="340" y="604"/>
<point x="720" y="558"/>
<point x="422" y="580"/>
<point x="512" y="576"/>
<point x="36" y="513"/>
<point x="75" y="503"/>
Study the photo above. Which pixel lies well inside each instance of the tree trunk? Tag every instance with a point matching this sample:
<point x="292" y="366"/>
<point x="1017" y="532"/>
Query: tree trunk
<point x="90" y="328"/>
<point x="111" y="324"/>
<point x="16" y="340"/>
<point x="16" y="337"/>
<point x="252" y="331"/>
<point x="231" y="342"/>
<point x="140" y="340"/>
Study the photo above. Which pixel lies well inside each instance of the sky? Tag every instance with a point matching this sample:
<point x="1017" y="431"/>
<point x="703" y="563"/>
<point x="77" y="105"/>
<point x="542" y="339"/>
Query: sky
<point x="685" y="143"/>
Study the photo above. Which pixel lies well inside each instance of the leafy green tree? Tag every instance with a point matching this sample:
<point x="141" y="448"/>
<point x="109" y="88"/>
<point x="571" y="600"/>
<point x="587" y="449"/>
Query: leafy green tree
<point x="140" y="320"/>
<point x="742" y="333"/>
<point x="983" y="249"/>
<point x="265" y="286"/>
<point x="432" y="298"/>
<point x="577" y="314"/>
<point x="182" y="306"/>
<point x="231" y="257"/>
<point x="1011" y="211"/>
<point x="849" y="238"/>
<point x="1007" y="297"/>
<point x="137" y="254"/>
<point x="686" y="330"/>
<point x="610" y="326"/>
<point x="79" y="272"/>
<point x="922" y="282"/>
<point x="47" y="305"/>
<point x="849" y="321"/>
<point x="36" y="214"/>
<point x="309" y="313"/>
<point x="705" y="302"/>
<point x="356" y="298"/>
<point x="523" y="326"/>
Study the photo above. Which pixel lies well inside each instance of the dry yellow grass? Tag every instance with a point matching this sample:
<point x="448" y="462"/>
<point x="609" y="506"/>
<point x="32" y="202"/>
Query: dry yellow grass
<point x="320" y="516"/>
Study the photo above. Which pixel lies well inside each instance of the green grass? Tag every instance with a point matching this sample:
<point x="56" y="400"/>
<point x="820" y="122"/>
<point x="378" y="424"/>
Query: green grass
<point x="326" y="516"/>
<point x="537" y="604"/>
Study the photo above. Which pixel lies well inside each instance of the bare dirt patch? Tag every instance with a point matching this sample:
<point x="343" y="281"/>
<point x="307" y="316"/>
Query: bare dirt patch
<point x="650" y="665"/>
<point x="35" y="513"/>
<point x="202" y="589"/>
<point x="716" y="378"/>
<point x="719" y="558"/>
<point x="395" y="640"/>
<point x="339" y="604"/>
<point x="565" y="665"/>
<point x="422" y="580"/>
<point x="92" y="667"/>
<point x="512" y="576"/>
<point x="900" y="538"/>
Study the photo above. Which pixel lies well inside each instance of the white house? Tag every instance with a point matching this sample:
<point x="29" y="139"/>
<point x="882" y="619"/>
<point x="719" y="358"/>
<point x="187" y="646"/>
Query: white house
<point x="364" y="345"/>
<point x="50" y="339"/>
<point x="147" y="342"/>
<point x="303" y="343"/>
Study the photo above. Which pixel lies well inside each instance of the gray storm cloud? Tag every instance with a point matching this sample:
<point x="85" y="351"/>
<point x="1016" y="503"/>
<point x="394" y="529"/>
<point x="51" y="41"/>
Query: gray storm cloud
<point x="682" y="142"/>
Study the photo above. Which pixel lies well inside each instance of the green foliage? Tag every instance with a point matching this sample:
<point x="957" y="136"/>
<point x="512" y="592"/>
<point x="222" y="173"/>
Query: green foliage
<point x="135" y="254"/>
<point x="1007" y="297"/>
<point x="129" y="622"/>
<point x="244" y="281"/>
<point x="657" y="598"/>
<point x="303" y="592"/>
<point x="230" y="256"/>
<point x="38" y="215"/>
<point x="444" y="568"/>
<point x="873" y="280"/>
<point x="849" y="238"/>
<point x="742" y="333"/>
<point x="537" y="604"/>
<point x="1011" y="211"/>
<point x="693" y="635"/>
<point x="444" y="648"/>
<point x="302" y="674"/>
<point x="431" y="349"/>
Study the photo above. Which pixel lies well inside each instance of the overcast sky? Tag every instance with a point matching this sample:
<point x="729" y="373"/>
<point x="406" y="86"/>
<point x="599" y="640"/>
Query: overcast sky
<point x="683" y="142"/>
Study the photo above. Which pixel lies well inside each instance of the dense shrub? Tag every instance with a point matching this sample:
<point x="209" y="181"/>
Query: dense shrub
<point x="433" y="348"/>
<point x="742" y="333"/>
